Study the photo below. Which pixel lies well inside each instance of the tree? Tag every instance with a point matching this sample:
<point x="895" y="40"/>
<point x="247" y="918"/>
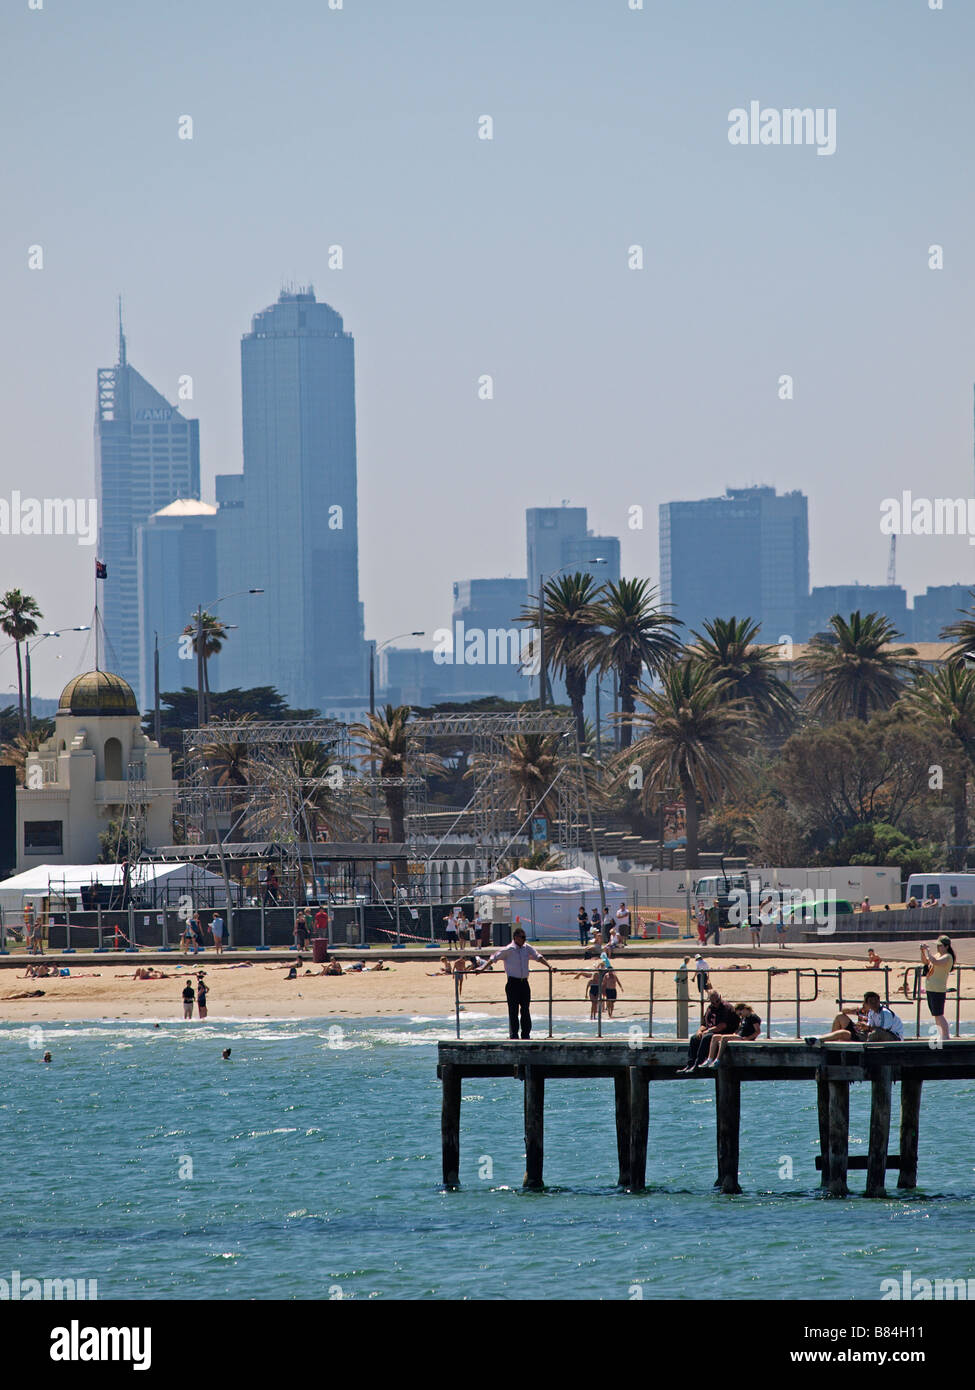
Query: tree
<point x="729" y="653"/>
<point x="386" y="740"/>
<point x="880" y="843"/>
<point x="15" y="753"/>
<point x="209" y="633"/>
<point x="532" y="762"/>
<point x="962" y="633"/>
<point x="568" y="621"/>
<point x="18" y="615"/>
<point x="945" y="701"/>
<point x="636" y="634"/>
<point x="697" y="740"/>
<point x="856" y="670"/>
<point x="117" y="844"/>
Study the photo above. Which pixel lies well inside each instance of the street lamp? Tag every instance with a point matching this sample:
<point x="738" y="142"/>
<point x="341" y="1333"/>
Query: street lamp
<point x="597" y="560"/>
<point x="198" y="615"/>
<point x="37" y="641"/>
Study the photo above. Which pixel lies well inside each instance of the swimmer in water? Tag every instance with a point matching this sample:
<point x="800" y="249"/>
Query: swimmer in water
<point x="225" y="1054"/>
<point x="47" y="1057"/>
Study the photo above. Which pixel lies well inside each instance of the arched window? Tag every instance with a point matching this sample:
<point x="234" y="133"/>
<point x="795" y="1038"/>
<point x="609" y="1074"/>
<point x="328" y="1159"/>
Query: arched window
<point x="113" y="760"/>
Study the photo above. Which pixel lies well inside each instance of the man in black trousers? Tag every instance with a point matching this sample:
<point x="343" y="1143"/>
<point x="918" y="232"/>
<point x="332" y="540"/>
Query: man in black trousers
<point x="517" y="990"/>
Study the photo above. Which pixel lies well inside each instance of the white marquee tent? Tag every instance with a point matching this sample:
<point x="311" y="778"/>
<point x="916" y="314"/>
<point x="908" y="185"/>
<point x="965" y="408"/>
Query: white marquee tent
<point x="545" y="902"/>
<point x="58" y="882"/>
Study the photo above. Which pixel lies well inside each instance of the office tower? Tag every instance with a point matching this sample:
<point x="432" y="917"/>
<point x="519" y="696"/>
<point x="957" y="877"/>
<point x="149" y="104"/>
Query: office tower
<point x="938" y="607"/>
<point x="177" y="569"/>
<point x="559" y="541"/>
<point x="744" y="555"/>
<point x="890" y="600"/>
<point x="292" y="527"/>
<point x="486" y="631"/>
<point x="147" y="454"/>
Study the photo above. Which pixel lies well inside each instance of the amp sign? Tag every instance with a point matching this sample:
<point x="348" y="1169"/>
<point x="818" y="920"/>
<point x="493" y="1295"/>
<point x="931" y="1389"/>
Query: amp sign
<point x="157" y="412"/>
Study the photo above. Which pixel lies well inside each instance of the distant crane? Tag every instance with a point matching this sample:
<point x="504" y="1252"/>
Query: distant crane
<point x="892" y="563"/>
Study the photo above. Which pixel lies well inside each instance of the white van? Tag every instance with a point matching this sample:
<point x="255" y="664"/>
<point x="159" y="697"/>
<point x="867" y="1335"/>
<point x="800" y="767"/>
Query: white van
<point x="943" y="888"/>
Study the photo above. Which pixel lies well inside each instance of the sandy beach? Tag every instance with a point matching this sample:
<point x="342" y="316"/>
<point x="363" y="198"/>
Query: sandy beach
<point x="410" y="988"/>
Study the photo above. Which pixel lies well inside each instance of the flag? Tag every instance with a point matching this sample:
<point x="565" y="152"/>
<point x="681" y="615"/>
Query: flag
<point x="101" y="569"/>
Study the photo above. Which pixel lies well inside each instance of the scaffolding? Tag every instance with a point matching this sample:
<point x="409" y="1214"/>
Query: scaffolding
<point x="489" y="815"/>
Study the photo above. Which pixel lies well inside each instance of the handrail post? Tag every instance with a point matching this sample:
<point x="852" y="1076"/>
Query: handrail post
<point x="457" y="1001"/>
<point x="768" y="1002"/>
<point x="650" y="1010"/>
<point x="551" y="982"/>
<point x="798" y="1006"/>
<point x="599" y="1007"/>
<point x="958" y="1004"/>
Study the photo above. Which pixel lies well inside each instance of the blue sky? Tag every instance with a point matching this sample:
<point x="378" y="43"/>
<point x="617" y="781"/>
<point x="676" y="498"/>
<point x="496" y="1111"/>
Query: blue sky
<point x="612" y="387"/>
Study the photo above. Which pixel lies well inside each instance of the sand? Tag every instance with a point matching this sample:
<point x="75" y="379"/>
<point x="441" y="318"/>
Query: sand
<point x="406" y="989"/>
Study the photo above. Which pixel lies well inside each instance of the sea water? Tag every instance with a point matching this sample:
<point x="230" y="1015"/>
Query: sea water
<point x="308" y="1166"/>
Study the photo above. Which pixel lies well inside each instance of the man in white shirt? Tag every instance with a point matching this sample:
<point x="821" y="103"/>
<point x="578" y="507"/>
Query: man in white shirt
<point x="517" y="991"/>
<point x="623" y="921"/>
<point x="883" y="1023"/>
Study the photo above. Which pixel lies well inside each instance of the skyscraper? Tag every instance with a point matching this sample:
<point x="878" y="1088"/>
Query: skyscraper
<point x="146" y="455"/>
<point x="177" y="565"/>
<point x="295" y="519"/>
<point x="559" y="541"/>
<point x="744" y="555"/>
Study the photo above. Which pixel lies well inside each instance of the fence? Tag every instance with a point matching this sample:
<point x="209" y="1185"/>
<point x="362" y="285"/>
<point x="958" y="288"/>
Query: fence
<point x="807" y="982"/>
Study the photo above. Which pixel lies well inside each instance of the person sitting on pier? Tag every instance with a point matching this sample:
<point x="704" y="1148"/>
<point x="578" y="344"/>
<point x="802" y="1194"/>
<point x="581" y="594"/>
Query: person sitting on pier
<point x="517" y="958"/>
<point x="749" y="1029"/>
<point x="719" y="1018"/>
<point x="883" y="1023"/>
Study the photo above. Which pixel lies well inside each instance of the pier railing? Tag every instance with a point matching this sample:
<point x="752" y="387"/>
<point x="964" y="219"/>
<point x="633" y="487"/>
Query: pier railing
<point x="845" y="985"/>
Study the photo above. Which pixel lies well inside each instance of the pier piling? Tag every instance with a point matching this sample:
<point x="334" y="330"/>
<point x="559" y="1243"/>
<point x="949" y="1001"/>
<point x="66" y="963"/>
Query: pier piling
<point x="910" y="1119"/>
<point x="839" y="1137"/>
<point x="534" y="1127"/>
<point x="880" y="1088"/>
<point x="727" y="1095"/>
<point x="822" y="1108"/>
<point x="639" y="1127"/>
<point x="450" y="1125"/>
<point x="621" y="1084"/>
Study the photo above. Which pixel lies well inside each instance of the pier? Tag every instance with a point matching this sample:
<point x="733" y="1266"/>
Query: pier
<point x="832" y="1066"/>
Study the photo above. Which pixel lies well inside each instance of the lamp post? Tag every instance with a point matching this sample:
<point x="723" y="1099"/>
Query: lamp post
<point x="28" y="720"/>
<point x="373" y="651"/>
<point x="198" y="615"/>
<point x="542" y="681"/>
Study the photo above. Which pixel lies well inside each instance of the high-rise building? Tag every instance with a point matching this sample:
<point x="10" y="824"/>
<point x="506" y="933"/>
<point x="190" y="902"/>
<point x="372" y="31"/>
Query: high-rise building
<point x="147" y="454"/>
<point x="487" y="633"/>
<point x="890" y="600"/>
<point x="177" y="568"/>
<point x="744" y="555"/>
<point x="938" y="607"/>
<point x="293" y="523"/>
<point x="559" y="541"/>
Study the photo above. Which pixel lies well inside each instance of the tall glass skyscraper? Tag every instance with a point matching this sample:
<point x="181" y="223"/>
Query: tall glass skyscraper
<point x="294" y="521"/>
<point x="147" y="454"/>
<point x="744" y="555"/>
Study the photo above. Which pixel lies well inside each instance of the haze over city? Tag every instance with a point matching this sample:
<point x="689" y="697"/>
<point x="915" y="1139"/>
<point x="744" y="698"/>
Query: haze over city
<point x="462" y="257"/>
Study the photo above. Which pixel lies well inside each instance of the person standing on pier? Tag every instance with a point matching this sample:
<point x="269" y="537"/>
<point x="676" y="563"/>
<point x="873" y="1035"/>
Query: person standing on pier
<point x="939" y="967"/>
<point x="517" y="958"/>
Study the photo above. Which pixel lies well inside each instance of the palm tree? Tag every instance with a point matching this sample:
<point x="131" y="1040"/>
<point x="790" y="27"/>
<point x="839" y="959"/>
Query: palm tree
<point x="15" y="753"/>
<point x="530" y="767"/>
<point x="386" y="739"/>
<point x="18" y="614"/>
<point x="857" y="670"/>
<point x="568" y="619"/>
<point x="638" y="634"/>
<point x="962" y="633"/>
<point x="213" y="634"/>
<point x="945" y="701"/>
<point x="228" y="760"/>
<point x="729" y="653"/>
<point x="697" y="739"/>
<point x="324" y="803"/>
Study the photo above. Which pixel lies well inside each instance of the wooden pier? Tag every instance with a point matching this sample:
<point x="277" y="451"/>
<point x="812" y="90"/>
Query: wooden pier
<point x="833" y="1067"/>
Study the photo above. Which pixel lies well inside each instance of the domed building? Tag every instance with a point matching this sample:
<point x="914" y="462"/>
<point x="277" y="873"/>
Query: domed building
<point x="99" y="766"/>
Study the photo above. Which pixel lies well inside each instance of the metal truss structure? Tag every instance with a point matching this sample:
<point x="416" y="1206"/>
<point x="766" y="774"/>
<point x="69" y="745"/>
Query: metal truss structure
<point x="490" y="816"/>
<point x="286" y="778"/>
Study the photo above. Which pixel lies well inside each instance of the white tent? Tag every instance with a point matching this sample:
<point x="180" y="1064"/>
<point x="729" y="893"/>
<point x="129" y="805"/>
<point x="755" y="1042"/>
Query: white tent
<point x="65" y="881"/>
<point x="546" y="902"/>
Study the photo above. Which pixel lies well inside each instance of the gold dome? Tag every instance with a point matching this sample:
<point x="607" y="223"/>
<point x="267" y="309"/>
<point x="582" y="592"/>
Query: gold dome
<point x="97" y="693"/>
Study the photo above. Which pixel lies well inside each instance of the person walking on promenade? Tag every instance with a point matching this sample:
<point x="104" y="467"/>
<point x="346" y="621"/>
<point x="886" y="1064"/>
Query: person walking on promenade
<point x="583" y="919"/>
<point x="216" y="927"/>
<point x="517" y="958"/>
<point x="189" y="999"/>
<point x="938" y="968"/>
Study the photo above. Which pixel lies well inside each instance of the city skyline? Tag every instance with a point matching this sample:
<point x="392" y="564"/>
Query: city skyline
<point x="463" y="257"/>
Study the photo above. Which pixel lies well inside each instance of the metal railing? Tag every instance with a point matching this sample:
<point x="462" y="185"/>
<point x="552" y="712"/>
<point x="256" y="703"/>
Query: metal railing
<point x="808" y="983"/>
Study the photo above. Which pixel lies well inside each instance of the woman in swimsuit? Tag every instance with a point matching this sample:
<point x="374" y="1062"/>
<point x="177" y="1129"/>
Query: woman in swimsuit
<point x="201" y="998"/>
<point x="593" y="988"/>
